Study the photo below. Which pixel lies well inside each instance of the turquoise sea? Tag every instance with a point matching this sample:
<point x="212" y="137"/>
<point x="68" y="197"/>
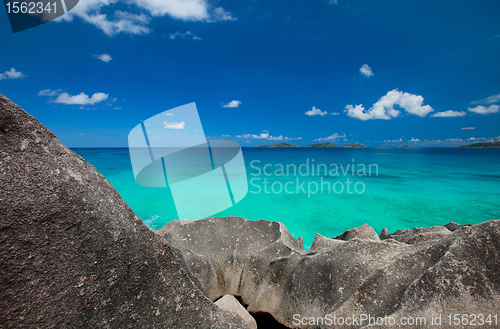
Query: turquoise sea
<point x="405" y="188"/>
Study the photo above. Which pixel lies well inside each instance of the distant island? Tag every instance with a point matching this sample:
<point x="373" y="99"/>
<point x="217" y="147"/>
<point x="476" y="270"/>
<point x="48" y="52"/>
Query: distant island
<point x="322" y="145"/>
<point x="405" y="147"/>
<point x="483" y="145"/>
<point x="353" y="145"/>
<point x="312" y="145"/>
<point x="279" y="145"/>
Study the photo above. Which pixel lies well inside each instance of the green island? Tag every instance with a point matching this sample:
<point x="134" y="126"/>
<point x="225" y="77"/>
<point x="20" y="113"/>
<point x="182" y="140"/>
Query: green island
<point x="279" y="145"/>
<point x="483" y="145"/>
<point x="405" y="147"/>
<point x="327" y="144"/>
<point x="353" y="145"/>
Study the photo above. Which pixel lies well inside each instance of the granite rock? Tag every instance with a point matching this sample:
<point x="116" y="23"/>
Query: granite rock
<point x="416" y="272"/>
<point x="419" y="235"/>
<point x="230" y="255"/>
<point x="364" y="232"/>
<point x="231" y="304"/>
<point x="73" y="254"/>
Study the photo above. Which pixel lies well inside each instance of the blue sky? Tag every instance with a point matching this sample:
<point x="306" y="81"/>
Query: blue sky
<point x="260" y="72"/>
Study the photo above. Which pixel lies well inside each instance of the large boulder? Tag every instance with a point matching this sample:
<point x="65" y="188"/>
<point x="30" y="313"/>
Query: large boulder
<point x="230" y="255"/>
<point x="73" y="254"/>
<point x="417" y="272"/>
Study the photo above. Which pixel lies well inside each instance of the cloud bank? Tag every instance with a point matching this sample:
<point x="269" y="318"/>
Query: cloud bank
<point x="384" y="108"/>
<point x="100" y="14"/>
<point x="265" y="135"/>
<point x="332" y="137"/>
<point x="80" y="99"/>
<point x="450" y="114"/>
<point x="485" y="110"/>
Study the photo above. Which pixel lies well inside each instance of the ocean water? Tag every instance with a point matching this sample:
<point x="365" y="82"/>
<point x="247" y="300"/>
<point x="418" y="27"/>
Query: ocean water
<point x="392" y="188"/>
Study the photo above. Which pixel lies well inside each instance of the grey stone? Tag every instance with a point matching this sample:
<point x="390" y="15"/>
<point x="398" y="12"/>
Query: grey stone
<point x="73" y="254"/>
<point x="321" y="242"/>
<point x="419" y="235"/>
<point x="430" y="271"/>
<point x="364" y="232"/>
<point x="452" y="226"/>
<point x="384" y="234"/>
<point x="231" y="304"/>
<point x="230" y="255"/>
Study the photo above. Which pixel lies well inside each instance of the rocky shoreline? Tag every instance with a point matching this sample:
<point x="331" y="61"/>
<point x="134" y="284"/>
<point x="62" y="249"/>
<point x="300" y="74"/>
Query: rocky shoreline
<point x="417" y="273"/>
<point x="74" y="255"/>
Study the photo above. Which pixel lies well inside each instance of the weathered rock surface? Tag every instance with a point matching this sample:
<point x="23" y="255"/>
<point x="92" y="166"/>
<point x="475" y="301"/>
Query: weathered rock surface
<point x="364" y="232"/>
<point x="231" y="304"/>
<point x="322" y="242"/>
<point x="416" y="272"/>
<point x="452" y="226"/>
<point x="73" y="254"/>
<point x="419" y="234"/>
<point x="230" y="255"/>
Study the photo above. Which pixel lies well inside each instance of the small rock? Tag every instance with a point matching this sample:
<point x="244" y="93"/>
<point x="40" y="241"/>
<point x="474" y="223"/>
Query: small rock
<point x="364" y="232"/>
<point x="231" y="304"/>
<point x="384" y="234"/>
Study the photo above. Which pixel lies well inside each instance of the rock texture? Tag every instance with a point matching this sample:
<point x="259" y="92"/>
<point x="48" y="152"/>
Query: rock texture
<point x="364" y="232"/>
<point x="418" y="235"/>
<point x="417" y="272"/>
<point x="230" y="255"/>
<point x="73" y="254"/>
<point x="231" y="304"/>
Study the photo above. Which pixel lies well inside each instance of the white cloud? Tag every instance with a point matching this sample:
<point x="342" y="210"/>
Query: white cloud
<point x="219" y="14"/>
<point x="468" y="128"/>
<point x="183" y="35"/>
<point x="366" y="70"/>
<point x="117" y="108"/>
<point x="265" y="135"/>
<point x="415" y="140"/>
<point x="384" y="108"/>
<point x="226" y="135"/>
<point x="175" y="125"/>
<point x="12" y="74"/>
<point x="316" y="111"/>
<point x="100" y="14"/>
<point x="48" y="92"/>
<point x="169" y="114"/>
<point x="488" y="100"/>
<point x="80" y="99"/>
<point x="335" y="113"/>
<point x="106" y="58"/>
<point x="232" y="104"/>
<point x="485" y="110"/>
<point x="332" y="137"/>
<point x="450" y="114"/>
<point x="83" y="134"/>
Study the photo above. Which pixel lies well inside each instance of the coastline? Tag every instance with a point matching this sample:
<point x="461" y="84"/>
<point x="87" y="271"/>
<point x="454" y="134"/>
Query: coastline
<point x="74" y="254"/>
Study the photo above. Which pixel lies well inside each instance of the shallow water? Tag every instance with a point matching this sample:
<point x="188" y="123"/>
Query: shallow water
<point x="407" y="188"/>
